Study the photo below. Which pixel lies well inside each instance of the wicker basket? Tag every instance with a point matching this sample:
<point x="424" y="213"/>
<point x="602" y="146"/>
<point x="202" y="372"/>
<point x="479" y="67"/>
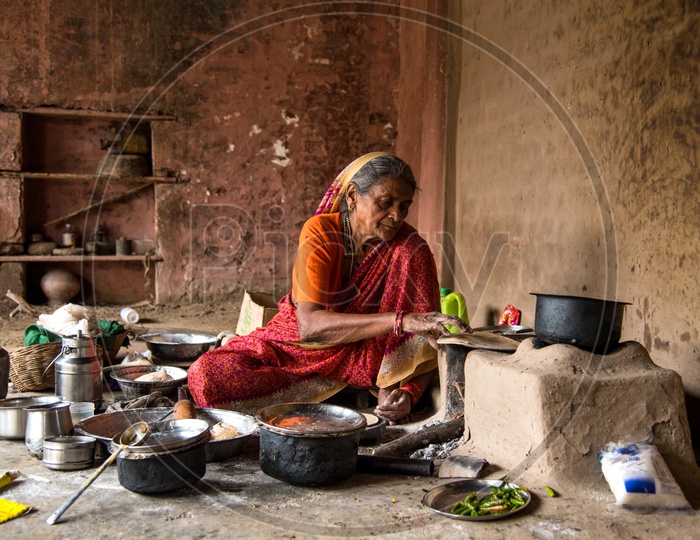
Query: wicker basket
<point x="27" y="366"/>
<point x="112" y="344"/>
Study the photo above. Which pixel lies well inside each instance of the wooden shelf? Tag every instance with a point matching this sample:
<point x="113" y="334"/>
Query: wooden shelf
<point x="91" y="177"/>
<point x="77" y="258"/>
<point x="61" y="169"/>
<point x="96" y="115"/>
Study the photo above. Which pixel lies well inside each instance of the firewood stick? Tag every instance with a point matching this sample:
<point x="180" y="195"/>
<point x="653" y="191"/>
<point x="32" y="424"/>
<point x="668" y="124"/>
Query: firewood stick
<point x="22" y="304"/>
<point x="438" y="433"/>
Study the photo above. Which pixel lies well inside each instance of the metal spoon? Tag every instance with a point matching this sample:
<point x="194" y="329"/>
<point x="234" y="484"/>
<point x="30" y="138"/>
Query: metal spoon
<point x="132" y="435"/>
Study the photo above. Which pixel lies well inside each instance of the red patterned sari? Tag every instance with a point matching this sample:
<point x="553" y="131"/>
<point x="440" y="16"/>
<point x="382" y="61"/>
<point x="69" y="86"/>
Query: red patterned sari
<point x="272" y="365"/>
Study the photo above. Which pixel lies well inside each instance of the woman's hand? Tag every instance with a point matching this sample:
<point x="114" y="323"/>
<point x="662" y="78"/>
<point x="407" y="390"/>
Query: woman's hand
<point x="394" y="407"/>
<point x="432" y="325"/>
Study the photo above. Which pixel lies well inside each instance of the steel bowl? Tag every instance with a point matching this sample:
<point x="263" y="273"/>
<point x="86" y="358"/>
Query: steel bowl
<point x="179" y="346"/>
<point x="227" y="448"/>
<point x="69" y="452"/>
<point x="125" y="375"/>
<point x="13" y="417"/>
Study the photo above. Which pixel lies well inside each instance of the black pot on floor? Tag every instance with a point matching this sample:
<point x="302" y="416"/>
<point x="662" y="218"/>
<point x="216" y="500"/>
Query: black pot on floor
<point x="162" y="472"/>
<point x="589" y="323"/>
<point x="320" y="450"/>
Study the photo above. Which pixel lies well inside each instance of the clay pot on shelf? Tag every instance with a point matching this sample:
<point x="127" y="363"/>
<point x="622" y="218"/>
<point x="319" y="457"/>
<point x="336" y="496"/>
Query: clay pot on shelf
<point x="59" y="286"/>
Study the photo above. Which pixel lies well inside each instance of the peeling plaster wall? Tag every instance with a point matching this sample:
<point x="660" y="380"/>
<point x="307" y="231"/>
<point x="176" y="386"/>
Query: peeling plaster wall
<point x="574" y="146"/>
<point x="276" y="116"/>
<point x="271" y="103"/>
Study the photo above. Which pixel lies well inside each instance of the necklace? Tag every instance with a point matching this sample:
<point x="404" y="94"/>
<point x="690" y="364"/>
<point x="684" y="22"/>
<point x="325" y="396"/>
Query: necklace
<point x="349" y="245"/>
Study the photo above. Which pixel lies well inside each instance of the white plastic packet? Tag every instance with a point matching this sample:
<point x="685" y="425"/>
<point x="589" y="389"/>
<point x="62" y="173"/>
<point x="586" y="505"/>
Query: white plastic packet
<point x="639" y="477"/>
<point x="67" y="320"/>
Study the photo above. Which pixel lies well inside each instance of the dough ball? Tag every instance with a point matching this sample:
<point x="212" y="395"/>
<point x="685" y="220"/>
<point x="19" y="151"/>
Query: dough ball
<point x="157" y="376"/>
<point x="222" y="431"/>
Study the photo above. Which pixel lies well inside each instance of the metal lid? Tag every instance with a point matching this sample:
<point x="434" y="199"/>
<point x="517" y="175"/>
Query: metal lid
<point x="30" y="401"/>
<point x="48" y="407"/>
<point x="68" y="442"/>
<point x="167" y="436"/>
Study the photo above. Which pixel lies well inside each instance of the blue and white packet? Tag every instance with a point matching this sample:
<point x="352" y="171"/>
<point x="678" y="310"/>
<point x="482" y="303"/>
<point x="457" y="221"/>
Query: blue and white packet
<point x="639" y="477"/>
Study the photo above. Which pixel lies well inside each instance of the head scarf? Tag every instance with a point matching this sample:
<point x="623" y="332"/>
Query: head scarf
<point x="331" y="200"/>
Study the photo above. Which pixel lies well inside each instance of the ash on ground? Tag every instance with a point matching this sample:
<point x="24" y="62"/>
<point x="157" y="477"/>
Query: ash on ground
<point x="438" y="451"/>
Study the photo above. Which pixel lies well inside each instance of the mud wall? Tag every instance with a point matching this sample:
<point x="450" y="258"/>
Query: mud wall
<point x="573" y="160"/>
<point x="271" y="103"/>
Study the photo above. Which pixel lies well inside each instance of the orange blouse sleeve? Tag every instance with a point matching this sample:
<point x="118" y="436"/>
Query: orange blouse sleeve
<point x="318" y="265"/>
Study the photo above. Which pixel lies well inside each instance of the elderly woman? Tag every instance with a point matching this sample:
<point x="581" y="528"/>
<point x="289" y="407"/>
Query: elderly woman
<point x="363" y="310"/>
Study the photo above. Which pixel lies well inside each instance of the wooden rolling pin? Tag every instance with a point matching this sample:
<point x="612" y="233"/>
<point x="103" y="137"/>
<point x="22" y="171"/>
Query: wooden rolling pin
<point x="184" y="407"/>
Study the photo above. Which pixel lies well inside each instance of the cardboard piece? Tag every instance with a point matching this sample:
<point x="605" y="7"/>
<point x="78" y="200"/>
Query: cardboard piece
<point x="256" y="310"/>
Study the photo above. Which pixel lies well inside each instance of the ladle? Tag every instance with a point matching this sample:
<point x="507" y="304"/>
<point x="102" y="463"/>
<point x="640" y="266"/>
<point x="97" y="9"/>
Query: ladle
<point x="132" y="435"/>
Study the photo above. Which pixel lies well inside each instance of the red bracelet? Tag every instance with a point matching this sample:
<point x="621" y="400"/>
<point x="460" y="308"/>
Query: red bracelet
<point x="398" y="324"/>
<point x="413" y="390"/>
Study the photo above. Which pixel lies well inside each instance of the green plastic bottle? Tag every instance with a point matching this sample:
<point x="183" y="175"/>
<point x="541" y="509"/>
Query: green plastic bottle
<point x="453" y="303"/>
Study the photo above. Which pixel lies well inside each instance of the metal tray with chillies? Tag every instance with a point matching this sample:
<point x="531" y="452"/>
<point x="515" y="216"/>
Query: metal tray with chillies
<point x="442" y="499"/>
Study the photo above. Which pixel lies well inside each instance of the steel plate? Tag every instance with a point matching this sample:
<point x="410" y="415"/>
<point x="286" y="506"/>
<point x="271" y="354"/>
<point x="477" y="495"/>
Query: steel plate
<point x="505" y="330"/>
<point x="441" y="499"/>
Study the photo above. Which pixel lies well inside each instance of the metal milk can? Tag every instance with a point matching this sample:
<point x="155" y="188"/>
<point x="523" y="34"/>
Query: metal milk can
<point x="79" y="370"/>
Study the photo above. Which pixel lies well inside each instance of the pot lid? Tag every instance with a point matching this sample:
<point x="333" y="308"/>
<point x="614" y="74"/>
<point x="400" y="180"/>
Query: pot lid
<point x="311" y="419"/>
<point x="167" y="436"/>
<point x="30" y="401"/>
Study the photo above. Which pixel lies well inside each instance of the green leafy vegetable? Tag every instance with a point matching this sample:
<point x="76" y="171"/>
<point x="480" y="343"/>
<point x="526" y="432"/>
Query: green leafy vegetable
<point x="501" y="500"/>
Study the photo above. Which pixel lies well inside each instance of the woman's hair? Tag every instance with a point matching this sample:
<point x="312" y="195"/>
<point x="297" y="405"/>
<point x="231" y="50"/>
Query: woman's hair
<point x="372" y="172"/>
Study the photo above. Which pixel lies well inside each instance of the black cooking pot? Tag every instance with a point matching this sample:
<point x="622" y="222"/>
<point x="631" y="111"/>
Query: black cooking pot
<point x="162" y="472"/>
<point x="309" y="444"/>
<point x="589" y="323"/>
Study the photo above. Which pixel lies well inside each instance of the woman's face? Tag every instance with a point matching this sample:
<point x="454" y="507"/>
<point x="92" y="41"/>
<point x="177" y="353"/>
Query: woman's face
<point x="378" y="214"/>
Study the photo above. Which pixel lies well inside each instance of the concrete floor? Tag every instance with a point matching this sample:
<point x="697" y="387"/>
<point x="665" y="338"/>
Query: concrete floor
<point x="235" y="499"/>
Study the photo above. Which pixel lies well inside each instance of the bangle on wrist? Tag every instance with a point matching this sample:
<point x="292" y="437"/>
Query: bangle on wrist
<point x="398" y="324"/>
<point x="413" y="390"/>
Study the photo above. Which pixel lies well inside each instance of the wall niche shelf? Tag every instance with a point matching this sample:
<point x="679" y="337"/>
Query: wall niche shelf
<point x="68" y="173"/>
<point x="96" y="115"/>
<point x="94" y="177"/>
<point x="77" y="258"/>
